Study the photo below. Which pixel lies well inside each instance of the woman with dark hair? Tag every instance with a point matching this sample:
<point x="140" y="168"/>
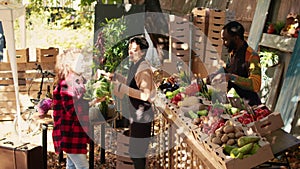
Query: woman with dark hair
<point x="137" y="90"/>
<point x="242" y="70"/>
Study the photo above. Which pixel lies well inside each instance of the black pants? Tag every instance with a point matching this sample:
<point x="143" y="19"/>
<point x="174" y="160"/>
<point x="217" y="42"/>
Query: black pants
<point x="140" y="136"/>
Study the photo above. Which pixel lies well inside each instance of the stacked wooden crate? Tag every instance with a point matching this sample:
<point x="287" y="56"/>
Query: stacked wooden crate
<point x="214" y="47"/>
<point x="180" y="38"/>
<point x="28" y="78"/>
<point x="123" y="160"/>
<point x="200" y="30"/>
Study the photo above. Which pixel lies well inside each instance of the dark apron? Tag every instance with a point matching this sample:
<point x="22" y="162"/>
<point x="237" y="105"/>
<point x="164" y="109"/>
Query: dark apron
<point x="237" y="65"/>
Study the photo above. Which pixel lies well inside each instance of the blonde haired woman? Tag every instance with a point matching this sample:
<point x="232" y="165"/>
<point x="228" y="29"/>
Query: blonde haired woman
<point x="71" y="118"/>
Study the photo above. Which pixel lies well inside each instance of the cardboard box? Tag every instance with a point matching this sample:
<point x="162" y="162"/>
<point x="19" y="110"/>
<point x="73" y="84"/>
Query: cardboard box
<point x="201" y="18"/>
<point x="46" y="55"/>
<point x="268" y="124"/>
<point x="220" y="17"/>
<point x="263" y="154"/>
<point x="199" y="68"/>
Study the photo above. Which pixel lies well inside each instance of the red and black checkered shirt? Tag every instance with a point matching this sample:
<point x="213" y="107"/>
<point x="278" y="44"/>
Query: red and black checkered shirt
<point x="71" y="118"/>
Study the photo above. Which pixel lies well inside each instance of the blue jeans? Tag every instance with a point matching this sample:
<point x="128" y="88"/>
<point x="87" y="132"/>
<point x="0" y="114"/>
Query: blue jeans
<point x="77" y="161"/>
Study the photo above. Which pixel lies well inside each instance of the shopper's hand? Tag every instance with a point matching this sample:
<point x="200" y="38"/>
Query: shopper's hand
<point x="209" y="78"/>
<point x="96" y="100"/>
<point x="107" y="75"/>
<point x="221" y="77"/>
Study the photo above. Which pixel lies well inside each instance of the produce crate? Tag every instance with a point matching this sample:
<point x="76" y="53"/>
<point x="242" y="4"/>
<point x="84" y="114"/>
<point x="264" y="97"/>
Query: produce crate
<point x="199" y="135"/>
<point x="47" y="55"/>
<point x="211" y="58"/>
<point x="22" y="55"/>
<point x="263" y="154"/>
<point x="268" y="124"/>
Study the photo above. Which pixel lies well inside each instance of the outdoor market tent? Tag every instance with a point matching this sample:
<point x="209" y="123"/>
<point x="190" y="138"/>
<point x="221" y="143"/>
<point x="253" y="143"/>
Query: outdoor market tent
<point x="9" y="12"/>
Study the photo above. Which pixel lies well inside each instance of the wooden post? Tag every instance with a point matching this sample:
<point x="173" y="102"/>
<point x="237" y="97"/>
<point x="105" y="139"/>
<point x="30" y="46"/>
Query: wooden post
<point x="258" y="23"/>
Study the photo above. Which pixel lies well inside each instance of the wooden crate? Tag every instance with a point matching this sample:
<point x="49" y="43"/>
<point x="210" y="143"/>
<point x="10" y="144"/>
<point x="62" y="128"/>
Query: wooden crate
<point x="199" y="41"/>
<point x="181" y="51"/>
<point x="180" y="38"/>
<point x="268" y="124"/>
<point x="201" y="18"/>
<point x="220" y="17"/>
<point x="263" y="154"/>
<point x="22" y="55"/>
<point x="198" y="67"/>
<point x="26" y="74"/>
<point x="217" y="19"/>
<point x="46" y="55"/>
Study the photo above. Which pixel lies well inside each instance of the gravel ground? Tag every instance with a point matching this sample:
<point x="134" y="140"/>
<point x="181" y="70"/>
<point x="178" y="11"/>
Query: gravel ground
<point x="7" y="132"/>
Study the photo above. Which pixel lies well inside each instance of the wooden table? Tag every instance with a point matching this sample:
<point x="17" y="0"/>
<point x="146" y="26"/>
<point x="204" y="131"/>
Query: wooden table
<point x="280" y="142"/>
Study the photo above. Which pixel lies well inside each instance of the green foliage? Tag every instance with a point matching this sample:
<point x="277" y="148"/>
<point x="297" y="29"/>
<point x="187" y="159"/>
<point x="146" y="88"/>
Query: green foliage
<point x="268" y="58"/>
<point x="111" y="46"/>
<point x="89" y="2"/>
<point x="279" y="26"/>
<point x="60" y="17"/>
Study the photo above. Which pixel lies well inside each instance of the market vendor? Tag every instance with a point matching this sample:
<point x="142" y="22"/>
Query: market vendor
<point x="242" y="70"/>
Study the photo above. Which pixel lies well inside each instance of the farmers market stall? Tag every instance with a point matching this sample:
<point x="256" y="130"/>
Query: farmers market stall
<point x="202" y="129"/>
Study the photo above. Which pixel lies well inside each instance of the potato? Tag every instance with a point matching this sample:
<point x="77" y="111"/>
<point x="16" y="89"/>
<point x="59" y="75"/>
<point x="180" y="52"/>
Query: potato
<point x="239" y="134"/>
<point x="213" y="135"/>
<point x="230" y="142"/>
<point x="231" y="135"/>
<point x="219" y="131"/>
<point x="217" y="140"/>
<point x="224" y="138"/>
<point x="219" y="135"/>
<point x="237" y="129"/>
<point x="228" y="129"/>
<point x="228" y="123"/>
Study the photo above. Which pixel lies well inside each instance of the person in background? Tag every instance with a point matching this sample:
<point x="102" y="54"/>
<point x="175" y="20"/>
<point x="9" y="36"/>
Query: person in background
<point x="242" y="70"/>
<point x="70" y="110"/>
<point x="138" y="91"/>
<point x="2" y="42"/>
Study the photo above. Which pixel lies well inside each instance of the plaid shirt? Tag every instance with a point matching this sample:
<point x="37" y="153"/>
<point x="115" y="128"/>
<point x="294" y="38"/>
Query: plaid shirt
<point x="71" y="120"/>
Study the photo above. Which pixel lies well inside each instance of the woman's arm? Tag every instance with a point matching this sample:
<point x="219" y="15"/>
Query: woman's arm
<point x="144" y="80"/>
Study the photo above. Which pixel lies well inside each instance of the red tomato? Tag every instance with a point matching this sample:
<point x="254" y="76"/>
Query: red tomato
<point x="259" y="117"/>
<point x="247" y="121"/>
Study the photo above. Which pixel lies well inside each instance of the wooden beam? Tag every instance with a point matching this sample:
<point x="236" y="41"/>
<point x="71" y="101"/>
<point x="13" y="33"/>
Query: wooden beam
<point x="258" y="23"/>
